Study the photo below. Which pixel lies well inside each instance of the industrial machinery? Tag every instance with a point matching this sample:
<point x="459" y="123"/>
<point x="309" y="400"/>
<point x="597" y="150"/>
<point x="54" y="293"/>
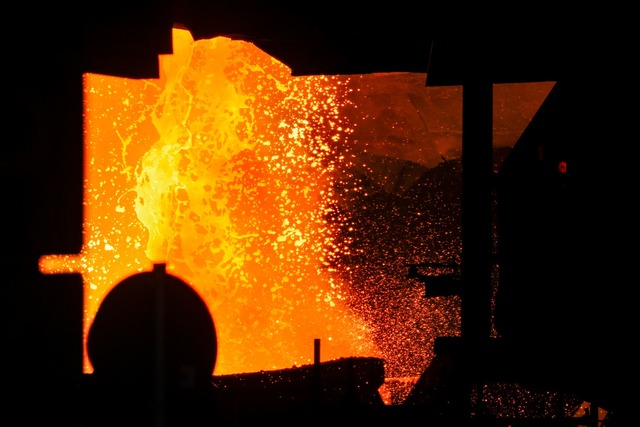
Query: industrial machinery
<point x="554" y="220"/>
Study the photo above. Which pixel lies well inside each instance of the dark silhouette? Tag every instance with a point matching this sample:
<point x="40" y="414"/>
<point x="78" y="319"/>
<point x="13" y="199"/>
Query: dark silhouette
<point x="153" y="348"/>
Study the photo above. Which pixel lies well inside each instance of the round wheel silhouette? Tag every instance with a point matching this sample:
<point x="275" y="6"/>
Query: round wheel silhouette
<point x="152" y="327"/>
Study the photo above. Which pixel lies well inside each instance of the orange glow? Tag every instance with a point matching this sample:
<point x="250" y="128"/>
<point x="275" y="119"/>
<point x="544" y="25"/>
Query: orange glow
<point x="238" y="176"/>
<point x="220" y="169"/>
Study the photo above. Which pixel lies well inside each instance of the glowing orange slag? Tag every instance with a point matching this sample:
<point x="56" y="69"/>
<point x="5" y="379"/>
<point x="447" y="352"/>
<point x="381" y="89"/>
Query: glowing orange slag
<point x="221" y="169"/>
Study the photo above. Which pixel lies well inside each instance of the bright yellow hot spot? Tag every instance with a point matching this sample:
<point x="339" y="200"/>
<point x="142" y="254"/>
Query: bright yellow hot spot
<point x="221" y="168"/>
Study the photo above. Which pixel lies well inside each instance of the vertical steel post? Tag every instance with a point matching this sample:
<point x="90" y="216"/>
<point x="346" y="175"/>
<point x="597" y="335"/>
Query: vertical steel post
<point x="477" y="171"/>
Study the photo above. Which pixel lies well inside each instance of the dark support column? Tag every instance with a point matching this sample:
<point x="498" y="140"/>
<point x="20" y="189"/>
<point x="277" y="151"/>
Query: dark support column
<point x="316" y="351"/>
<point x="477" y="170"/>
<point x="316" y="381"/>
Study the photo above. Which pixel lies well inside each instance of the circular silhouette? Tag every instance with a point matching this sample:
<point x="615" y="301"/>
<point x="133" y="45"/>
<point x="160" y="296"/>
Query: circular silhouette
<point x="153" y="328"/>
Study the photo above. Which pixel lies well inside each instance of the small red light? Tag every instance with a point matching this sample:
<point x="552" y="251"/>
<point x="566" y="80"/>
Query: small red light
<point x="562" y="166"/>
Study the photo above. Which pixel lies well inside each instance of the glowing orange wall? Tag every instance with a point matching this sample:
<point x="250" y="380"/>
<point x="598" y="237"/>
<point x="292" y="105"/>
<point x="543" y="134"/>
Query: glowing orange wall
<point x="221" y="169"/>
